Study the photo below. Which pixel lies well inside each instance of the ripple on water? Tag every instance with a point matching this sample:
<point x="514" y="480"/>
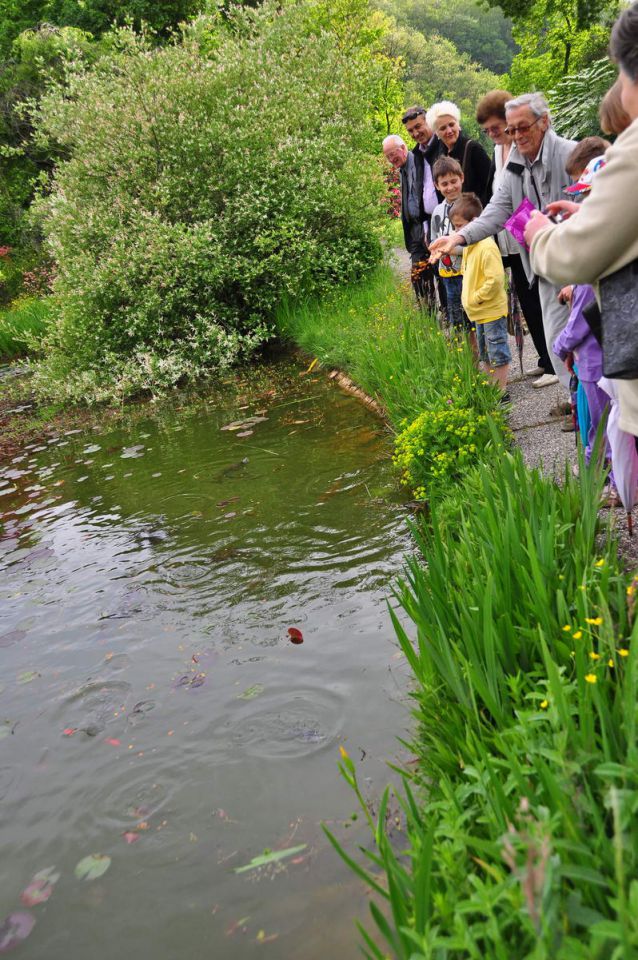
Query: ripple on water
<point x="281" y="724"/>
<point x="89" y="708"/>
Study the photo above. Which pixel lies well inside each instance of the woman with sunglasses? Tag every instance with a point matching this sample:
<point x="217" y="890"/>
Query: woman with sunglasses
<point x="490" y="114"/>
<point x="444" y="119"/>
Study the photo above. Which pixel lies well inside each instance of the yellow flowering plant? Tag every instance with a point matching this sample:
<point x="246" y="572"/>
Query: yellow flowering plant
<point x="439" y="447"/>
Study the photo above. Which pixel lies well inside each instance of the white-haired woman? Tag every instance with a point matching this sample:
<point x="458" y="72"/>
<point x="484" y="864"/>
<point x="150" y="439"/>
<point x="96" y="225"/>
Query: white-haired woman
<point x="444" y="118"/>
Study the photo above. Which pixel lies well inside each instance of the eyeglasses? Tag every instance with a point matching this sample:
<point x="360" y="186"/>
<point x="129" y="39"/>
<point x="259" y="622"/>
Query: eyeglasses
<point x="412" y="116"/>
<point x="494" y="129"/>
<point x="522" y="129"/>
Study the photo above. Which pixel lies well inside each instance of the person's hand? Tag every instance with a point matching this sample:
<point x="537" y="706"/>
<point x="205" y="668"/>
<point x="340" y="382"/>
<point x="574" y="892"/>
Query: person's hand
<point x="569" y="362"/>
<point x="435" y="257"/>
<point x="446" y="244"/>
<point x="537" y="221"/>
<point x="566" y="208"/>
<point x="565" y="295"/>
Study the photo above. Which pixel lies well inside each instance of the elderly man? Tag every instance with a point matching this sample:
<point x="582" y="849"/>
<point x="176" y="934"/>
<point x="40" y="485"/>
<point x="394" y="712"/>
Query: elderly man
<point x="536" y="170"/>
<point x="412" y="213"/>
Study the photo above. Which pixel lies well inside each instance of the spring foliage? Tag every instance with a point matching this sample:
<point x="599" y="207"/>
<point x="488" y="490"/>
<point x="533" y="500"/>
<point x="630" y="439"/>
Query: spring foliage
<point x="204" y="181"/>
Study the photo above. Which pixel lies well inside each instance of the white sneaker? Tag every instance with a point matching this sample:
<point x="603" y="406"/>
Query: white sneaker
<point x="545" y="381"/>
<point x="535" y="372"/>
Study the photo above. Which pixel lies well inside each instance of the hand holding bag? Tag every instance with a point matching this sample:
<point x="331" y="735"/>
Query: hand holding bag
<point x="619" y="312"/>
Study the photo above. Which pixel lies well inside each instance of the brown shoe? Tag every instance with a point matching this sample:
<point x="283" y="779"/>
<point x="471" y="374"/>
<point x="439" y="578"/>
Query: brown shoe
<point x="560" y="409"/>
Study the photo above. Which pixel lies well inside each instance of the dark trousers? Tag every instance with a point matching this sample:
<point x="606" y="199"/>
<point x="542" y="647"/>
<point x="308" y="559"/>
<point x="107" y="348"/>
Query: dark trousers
<point x="531" y="306"/>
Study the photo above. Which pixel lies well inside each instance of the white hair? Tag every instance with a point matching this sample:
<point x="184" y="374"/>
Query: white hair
<point x="445" y="108"/>
<point x="536" y="102"/>
<point x="393" y="141"/>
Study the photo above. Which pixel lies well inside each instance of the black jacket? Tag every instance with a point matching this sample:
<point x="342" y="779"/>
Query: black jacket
<point x="474" y="160"/>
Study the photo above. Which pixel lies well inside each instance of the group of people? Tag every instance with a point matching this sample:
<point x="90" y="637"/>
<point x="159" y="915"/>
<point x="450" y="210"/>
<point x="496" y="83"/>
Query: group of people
<point x="560" y="217"/>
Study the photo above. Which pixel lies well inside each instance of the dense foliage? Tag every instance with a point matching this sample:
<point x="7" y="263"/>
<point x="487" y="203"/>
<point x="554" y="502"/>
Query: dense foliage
<point x="205" y="180"/>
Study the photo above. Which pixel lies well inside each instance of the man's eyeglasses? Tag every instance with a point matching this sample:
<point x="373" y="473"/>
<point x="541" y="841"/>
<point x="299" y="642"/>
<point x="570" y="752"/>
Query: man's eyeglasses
<point x="406" y="118"/>
<point x="522" y="129"/>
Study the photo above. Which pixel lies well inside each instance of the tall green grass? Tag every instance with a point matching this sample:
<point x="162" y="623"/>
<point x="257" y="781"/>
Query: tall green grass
<point x="522" y="818"/>
<point x="21" y="325"/>
<point x="395" y="352"/>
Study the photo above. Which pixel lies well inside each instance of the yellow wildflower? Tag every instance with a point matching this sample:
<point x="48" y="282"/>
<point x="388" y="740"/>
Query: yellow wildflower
<point x="610" y="663"/>
<point x="623" y="652"/>
<point x="578" y="635"/>
<point x="591" y="678"/>
<point x="567" y="628"/>
<point x="544" y="704"/>
<point x="600" y="563"/>
<point x="595" y="621"/>
<point x="594" y="656"/>
<point x="631" y="590"/>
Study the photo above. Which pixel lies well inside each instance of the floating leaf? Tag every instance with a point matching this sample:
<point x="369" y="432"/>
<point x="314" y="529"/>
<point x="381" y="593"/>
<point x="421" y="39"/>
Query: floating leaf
<point x="270" y="856"/>
<point x="131" y="837"/>
<point x="15" y="929"/>
<point x="40" y="887"/>
<point x="92" y="867"/>
<point x="251" y="692"/>
<point x="69" y="731"/>
<point x="113" y="742"/>
<point x="27" y="676"/>
<point x="245" y="433"/>
<point x="296" y="636"/>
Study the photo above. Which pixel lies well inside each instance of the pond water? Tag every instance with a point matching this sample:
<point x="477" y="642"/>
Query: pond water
<point x="153" y="709"/>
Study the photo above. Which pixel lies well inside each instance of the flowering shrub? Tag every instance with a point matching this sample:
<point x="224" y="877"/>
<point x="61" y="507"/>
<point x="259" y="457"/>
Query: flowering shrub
<point x="392" y="198"/>
<point x="439" y="447"/>
<point x="205" y="181"/>
<point x="38" y="282"/>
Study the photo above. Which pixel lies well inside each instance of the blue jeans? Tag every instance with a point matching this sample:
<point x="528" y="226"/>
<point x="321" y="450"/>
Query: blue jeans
<point x="455" y="314"/>
<point x="491" y="338"/>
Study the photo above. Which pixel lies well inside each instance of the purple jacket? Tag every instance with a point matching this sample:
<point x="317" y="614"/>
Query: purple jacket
<point x="578" y="339"/>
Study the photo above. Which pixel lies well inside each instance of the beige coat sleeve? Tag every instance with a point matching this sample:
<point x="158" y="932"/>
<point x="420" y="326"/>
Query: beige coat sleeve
<point x="603" y="236"/>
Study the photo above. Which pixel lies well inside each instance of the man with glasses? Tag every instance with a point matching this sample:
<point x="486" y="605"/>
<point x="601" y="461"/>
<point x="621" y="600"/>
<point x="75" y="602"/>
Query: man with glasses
<point x="536" y="171"/>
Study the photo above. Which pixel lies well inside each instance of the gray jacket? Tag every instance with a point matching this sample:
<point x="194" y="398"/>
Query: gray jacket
<point x="542" y="183"/>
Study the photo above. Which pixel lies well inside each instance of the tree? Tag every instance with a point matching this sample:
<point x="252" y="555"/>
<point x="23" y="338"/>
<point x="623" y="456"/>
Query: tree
<point x="484" y="34"/>
<point x="92" y="16"/>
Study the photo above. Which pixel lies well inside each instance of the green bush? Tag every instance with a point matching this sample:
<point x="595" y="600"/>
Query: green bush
<point x="439" y="447"/>
<point x="205" y="181"/>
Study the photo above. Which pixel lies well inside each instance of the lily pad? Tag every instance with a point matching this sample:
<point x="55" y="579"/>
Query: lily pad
<point x="15" y="929"/>
<point x="270" y="856"/>
<point x="251" y="692"/>
<point x="92" y="867"/>
<point x="40" y="887"/>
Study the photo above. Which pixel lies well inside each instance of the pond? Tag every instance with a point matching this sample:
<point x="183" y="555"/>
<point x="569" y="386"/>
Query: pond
<point x="154" y="709"/>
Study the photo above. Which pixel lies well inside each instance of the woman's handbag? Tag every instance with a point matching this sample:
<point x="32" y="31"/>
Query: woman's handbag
<point x="619" y="313"/>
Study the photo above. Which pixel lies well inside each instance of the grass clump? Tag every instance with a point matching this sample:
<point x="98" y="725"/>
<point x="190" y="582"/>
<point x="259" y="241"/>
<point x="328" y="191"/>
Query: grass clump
<point x="22" y="324"/>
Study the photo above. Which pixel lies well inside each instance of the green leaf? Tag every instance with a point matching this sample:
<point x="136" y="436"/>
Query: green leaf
<point x="272" y="856"/>
<point x="92" y="867"/>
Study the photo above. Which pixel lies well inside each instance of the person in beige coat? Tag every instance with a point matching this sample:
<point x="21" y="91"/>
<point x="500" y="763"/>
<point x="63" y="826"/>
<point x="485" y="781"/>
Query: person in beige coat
<point x="601" y="235"/>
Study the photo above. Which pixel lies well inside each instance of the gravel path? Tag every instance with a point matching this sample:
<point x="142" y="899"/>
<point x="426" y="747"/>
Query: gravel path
<point x="536" y="432"/>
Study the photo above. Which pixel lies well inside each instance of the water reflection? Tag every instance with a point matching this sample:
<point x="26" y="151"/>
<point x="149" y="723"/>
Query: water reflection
<point x="152" y="707"/>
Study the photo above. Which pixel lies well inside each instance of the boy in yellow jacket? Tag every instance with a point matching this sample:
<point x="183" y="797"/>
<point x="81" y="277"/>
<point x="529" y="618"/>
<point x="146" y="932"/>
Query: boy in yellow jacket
<point x="483" y="296"/>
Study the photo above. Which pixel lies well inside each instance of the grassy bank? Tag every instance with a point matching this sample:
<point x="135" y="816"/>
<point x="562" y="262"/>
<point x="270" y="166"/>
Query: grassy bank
<point x="521" y="810"/>
<point x="19" y="322"/>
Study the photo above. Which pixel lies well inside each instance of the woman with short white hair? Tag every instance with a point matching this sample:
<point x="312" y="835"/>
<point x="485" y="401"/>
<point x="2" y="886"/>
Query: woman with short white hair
<point x="444" y="118"/>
